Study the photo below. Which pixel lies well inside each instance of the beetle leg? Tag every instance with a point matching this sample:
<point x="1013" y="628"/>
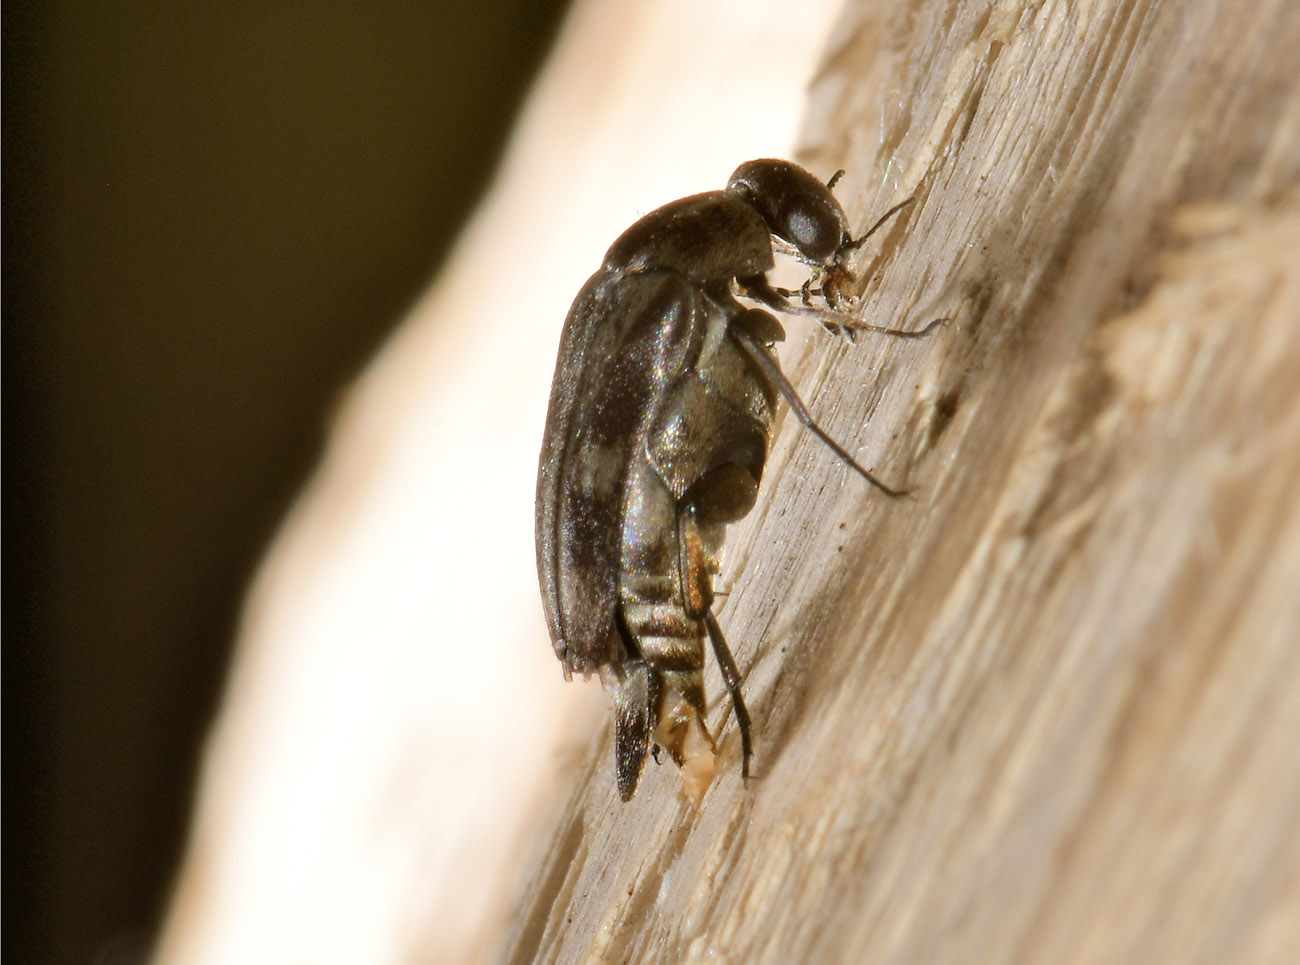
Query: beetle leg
<point x="731" y="677"/>
<point x="804" y="291"/>
<point x="758" y="289"/>
<point x="770" y="371"/>
<point x="852" y="326"/>
<point x="692" y="565"/>
<point x="697" y="593"/>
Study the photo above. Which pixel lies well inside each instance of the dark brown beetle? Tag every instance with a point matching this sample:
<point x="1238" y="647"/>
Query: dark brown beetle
<point x="659" y="424"/>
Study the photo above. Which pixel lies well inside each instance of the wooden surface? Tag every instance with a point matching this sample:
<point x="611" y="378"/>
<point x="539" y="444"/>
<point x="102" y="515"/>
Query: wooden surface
<point x="1047" y="709"/>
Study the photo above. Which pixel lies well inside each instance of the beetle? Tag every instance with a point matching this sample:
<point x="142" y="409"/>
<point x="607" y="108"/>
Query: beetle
<point x="657" y="432"/>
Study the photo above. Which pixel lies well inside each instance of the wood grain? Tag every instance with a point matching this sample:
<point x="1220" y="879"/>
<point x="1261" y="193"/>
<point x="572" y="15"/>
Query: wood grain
<point x="1046" y="709"/>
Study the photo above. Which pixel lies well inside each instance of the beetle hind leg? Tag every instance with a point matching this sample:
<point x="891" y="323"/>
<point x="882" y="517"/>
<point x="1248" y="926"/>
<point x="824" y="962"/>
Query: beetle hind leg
<point x="697" y="592"/>
<point x="731" y="677"/>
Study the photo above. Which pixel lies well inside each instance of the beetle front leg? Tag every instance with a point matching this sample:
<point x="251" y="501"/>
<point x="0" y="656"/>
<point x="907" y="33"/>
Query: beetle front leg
<point x="804" y="291"/>
<point x="830" y="319"/>
<point x="759" y="289"/>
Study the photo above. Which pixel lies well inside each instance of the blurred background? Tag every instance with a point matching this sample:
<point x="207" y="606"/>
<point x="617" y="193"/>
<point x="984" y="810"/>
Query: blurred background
<point x="213" y="214"/>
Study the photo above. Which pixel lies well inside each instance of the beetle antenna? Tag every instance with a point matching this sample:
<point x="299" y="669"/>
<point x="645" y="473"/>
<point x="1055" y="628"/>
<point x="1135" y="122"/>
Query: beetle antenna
<point x="853" y="245"/>
<point x="775" y="377"/>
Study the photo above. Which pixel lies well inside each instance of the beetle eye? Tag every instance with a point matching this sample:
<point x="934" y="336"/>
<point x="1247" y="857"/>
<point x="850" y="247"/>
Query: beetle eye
<point x="802" y="229"/>
<point x="816" y="232"/>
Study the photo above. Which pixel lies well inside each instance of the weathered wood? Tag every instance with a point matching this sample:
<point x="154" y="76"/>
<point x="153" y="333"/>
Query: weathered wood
<point x="1046" y="709"/>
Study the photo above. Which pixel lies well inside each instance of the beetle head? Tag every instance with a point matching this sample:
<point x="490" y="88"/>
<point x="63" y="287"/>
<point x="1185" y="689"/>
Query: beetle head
<point x="797" y="208"/>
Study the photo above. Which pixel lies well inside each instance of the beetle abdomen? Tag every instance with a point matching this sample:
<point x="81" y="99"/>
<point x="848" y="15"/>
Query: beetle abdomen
<point x="695" y="467"/>
<point x="664" y="635"/>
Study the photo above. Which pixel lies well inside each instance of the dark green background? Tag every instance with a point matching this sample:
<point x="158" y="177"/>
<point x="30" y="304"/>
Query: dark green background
<point x="213" y="213"/>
